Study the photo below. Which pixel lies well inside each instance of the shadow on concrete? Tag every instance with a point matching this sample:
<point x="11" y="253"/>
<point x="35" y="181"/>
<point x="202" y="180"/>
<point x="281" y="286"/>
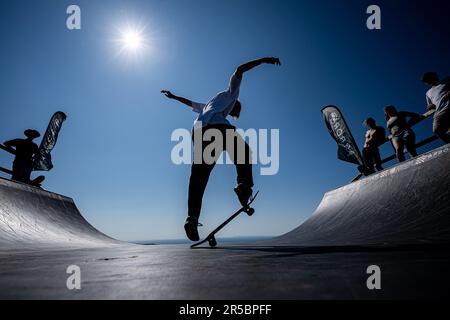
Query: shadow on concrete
<point x="288" y="251"/>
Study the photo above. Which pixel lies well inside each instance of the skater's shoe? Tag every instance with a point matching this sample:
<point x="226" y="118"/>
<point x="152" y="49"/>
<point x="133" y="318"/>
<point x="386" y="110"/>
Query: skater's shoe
<point x="244" y="192"/>
<point x="190" y="226"/>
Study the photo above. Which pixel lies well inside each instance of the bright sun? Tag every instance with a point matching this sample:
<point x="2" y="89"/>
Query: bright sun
<point x="132" y="40"/>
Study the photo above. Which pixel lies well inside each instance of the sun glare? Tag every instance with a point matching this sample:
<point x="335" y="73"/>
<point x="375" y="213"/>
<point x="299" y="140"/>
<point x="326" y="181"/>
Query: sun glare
<point x="132" y="41"/>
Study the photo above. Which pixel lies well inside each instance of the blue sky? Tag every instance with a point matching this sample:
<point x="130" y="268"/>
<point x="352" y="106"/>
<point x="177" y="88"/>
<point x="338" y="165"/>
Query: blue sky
<point x="113" y="156"/>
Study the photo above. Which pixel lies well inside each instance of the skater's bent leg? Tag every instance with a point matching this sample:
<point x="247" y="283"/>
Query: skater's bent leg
<point x="242" y="159"/>
<point x="197" y="184"/>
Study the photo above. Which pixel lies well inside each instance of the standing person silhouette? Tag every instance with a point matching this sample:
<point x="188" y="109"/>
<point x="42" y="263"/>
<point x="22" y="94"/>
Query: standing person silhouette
<point x="375" y="136"/>
<point x="402" y="134"/>
<point x="25" y="150"/>
<point x="212" y="116"/>
<point x="438" y="99"/>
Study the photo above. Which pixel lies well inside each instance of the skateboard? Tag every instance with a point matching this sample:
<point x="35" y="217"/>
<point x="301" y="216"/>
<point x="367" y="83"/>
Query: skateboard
<point x="211" y="239"/>
<point x="37" y="182"/>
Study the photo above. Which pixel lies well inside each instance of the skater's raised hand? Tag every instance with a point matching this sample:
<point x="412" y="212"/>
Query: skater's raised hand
<point x="272" y="60"/>
<point x="168" y="94"/>
<point x="252" y="64"/>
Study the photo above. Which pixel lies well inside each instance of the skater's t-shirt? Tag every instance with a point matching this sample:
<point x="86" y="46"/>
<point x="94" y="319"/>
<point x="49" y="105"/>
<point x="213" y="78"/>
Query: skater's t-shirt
<point x="219" y="107"/>
<point x="440" y="96"/>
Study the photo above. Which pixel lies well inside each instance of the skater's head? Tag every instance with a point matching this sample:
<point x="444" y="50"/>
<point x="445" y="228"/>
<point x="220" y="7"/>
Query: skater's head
<point x="32" y="134"/>
<point x="236" y="112"/>
<point x="430" y="78"/>
<point x="390" y="111"/>
<point x="370" y="122"/>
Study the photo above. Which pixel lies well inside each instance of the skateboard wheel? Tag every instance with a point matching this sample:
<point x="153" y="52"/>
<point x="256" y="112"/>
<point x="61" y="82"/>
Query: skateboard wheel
<point x="212" y="242"/>
<point x="250" y="211"/>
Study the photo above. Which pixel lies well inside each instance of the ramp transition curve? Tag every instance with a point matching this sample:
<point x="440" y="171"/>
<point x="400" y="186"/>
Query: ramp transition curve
<point x="32" y="217"/>
<point x="403" y="205"/>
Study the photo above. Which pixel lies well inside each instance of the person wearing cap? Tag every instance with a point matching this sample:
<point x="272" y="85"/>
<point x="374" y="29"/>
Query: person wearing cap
<point x="438" y="99"/>
<point x="375" y="136"/>
<point x="25" y="150"/>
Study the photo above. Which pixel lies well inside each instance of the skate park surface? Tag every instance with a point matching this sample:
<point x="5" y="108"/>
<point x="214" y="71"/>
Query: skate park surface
<point x="397" y="219"/>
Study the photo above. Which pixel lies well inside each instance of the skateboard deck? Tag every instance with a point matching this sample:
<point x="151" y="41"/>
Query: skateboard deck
<point x="37" y="182"/>
<point x="211" y="237"/>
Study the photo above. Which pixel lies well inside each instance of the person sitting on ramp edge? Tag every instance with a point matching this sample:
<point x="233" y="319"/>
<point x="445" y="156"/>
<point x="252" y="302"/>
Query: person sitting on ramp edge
<point x="25" y="150"/>
<point x="375" y="136"/>
<point x="438" y="98"/>
<point x="402" y="134"/>
<point x="212" y="116"/>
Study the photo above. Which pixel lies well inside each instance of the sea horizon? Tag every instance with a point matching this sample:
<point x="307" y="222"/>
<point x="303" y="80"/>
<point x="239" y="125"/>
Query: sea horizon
<point x="219" y="239"/>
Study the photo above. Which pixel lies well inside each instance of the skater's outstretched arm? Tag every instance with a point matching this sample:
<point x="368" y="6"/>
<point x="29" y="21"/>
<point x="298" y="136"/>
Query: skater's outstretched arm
<point x="169" y="95"/>
<point x="252" y="64"/>
<point x="10" y="143"/>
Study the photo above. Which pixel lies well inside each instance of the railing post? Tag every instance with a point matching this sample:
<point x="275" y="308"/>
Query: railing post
<point x="11" y="151"/>
<point x="7" y="149"/>
<point x="6" y="170"/>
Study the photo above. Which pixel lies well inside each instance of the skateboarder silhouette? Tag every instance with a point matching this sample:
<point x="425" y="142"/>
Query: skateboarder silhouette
<point x="25" y="150"/>
<point x="212" y="116"/>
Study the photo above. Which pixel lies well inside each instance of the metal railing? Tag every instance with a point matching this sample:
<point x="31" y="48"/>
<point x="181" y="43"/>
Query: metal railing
<point x="11" y="151"/>
<point x="419" y="144"/>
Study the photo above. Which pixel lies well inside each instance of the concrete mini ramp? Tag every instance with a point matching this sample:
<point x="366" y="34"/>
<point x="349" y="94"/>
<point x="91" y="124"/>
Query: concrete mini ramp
<point x="31" y="217"/>
<point x="406" y="204"/>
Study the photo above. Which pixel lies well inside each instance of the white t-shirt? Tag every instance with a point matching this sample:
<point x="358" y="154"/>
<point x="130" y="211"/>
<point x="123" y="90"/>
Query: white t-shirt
<point x="219" y="107"/>
<point x="440" y="96"/>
